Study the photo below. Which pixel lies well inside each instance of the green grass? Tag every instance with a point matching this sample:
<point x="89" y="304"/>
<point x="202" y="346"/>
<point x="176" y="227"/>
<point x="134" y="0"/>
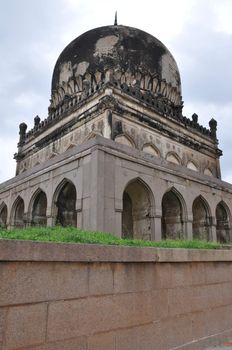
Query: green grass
<point x="74" y="235"/>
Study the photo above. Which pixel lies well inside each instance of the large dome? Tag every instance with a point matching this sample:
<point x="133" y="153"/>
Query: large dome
<point x="120" y="50"/>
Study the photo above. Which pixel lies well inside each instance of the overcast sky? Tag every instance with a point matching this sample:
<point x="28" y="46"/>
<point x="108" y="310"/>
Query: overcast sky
<point x="34" y="32"/>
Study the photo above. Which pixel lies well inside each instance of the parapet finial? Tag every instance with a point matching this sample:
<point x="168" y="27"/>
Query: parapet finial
<point x="213" y="127"/>
<point x="115" y="19"/>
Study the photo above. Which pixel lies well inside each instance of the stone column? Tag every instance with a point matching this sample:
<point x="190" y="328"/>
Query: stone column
<point x="189" y="226"/>
<point x="26" y="219"/>
<point x="189" y="230"/>
<point x="213" y="230"/>
<point x="50" y="218"/>
<point x="157" y="232"/>
<point x="118" y="223"/>
<point x="97" y="191"/>
<point x="79" y="212"/>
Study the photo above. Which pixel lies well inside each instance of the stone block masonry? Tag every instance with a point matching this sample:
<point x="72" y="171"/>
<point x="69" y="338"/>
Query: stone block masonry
<point x="89" y="297"/>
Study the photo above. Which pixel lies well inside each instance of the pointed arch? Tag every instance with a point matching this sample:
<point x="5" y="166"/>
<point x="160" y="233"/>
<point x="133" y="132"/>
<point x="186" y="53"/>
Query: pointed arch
<point x="3" y="215"/>
<point x="38" y="208"/>
<point x="192" y="166"/>
<point x="208" y="172"/>
<point x="125" y="139"/>
<point x="91" y="135"/>
<point x="173" y="158"/>
<point x="17" y="213"/>
<point x="223" y="222"/>
<point x="151" y="149"/>
<point x="138" y="202"/>
<point x="64" y="202"/>
<point x="173" y="214"/>
<point x="201" y="218"/>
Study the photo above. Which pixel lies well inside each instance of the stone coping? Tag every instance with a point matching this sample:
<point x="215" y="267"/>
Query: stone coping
<point x="19" y="250"/>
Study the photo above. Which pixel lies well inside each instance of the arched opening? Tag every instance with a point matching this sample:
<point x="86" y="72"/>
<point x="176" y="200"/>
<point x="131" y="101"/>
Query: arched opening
<point x="124" y="140"/>
<point x="172" y="216"/>
<point x="136" y="214"/>
<point x="127" y="217"/>
<point x="208" y="172"/>
<point x="3" y="216"/>
<point x="39" y="210"/>
<point x="222" y="224"/>
<point x="201" y="222"/>
<point x="148" y="148"/>
<point x="192" y="166"/>
<point x="173" y="158"/>
<point x="66" y="205"/>
<point x="18" y="217"/>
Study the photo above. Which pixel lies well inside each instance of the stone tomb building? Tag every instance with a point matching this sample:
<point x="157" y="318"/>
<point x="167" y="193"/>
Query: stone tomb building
<point x="115" y="152"/>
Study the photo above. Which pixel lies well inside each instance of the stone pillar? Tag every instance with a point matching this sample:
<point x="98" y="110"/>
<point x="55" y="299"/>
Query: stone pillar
<point x="26" y="219"/>
<point x="189" y="230"/>
<point x="157" y="232"/>
<point x="213" y="230"/>
<point x="79" y="212"/>
<point x="79" y="219"/>
<point x="118" y="223"/>
<point x="189" y="227"/>
<point x="50" y="219"/>
<point x="97" y="191"/>
<point x="8" y="220"/>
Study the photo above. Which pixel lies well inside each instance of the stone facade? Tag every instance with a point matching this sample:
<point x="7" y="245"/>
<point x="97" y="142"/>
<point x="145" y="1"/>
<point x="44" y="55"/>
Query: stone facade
<point x="115" y="152"/>
<point x="168" y="200"/>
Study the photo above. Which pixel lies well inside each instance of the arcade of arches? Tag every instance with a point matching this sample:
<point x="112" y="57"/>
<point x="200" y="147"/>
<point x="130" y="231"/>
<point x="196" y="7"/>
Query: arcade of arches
<point x="64" y="208"/>
<point x="137" y="213"/>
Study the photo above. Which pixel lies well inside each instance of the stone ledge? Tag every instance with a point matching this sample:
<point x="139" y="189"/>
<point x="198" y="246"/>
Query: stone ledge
<point x="16" y="250"/>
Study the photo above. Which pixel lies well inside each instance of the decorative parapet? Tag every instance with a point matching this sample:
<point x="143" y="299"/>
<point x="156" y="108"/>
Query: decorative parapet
<point x="157" y="102"/>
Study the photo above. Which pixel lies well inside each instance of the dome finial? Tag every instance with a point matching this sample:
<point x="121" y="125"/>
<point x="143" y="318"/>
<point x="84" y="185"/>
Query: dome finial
<point x="115" y="19"/>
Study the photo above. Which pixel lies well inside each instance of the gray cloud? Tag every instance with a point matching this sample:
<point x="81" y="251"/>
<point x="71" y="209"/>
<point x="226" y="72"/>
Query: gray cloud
<point x="205" y="57"/>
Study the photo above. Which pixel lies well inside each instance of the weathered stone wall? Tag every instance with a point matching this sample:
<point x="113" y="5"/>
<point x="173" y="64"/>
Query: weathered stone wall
<point x="86" y="297"/>
<point x="102" y="171"/>
<point x="128" y="123"/>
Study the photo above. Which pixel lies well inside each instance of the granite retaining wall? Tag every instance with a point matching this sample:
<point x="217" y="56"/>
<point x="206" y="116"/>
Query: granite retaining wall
<point x="92" y="297"/>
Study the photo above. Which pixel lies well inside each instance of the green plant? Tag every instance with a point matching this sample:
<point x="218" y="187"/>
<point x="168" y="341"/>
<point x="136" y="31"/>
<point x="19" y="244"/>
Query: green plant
<point x="75" y="235"/>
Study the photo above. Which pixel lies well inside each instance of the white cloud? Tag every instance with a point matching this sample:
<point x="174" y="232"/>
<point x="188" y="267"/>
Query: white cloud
<point x="8" y="164"/>
<point x="27" y="100"/>
<point x="223" y="11"/>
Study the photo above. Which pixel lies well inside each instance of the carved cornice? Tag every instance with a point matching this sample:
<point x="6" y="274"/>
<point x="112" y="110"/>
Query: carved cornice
<point x="157" y="102"/>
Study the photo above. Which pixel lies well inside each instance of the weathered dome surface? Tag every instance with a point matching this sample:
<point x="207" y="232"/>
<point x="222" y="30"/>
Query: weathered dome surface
<point x="116" y="53"/>
<point x="117" y="47"/>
